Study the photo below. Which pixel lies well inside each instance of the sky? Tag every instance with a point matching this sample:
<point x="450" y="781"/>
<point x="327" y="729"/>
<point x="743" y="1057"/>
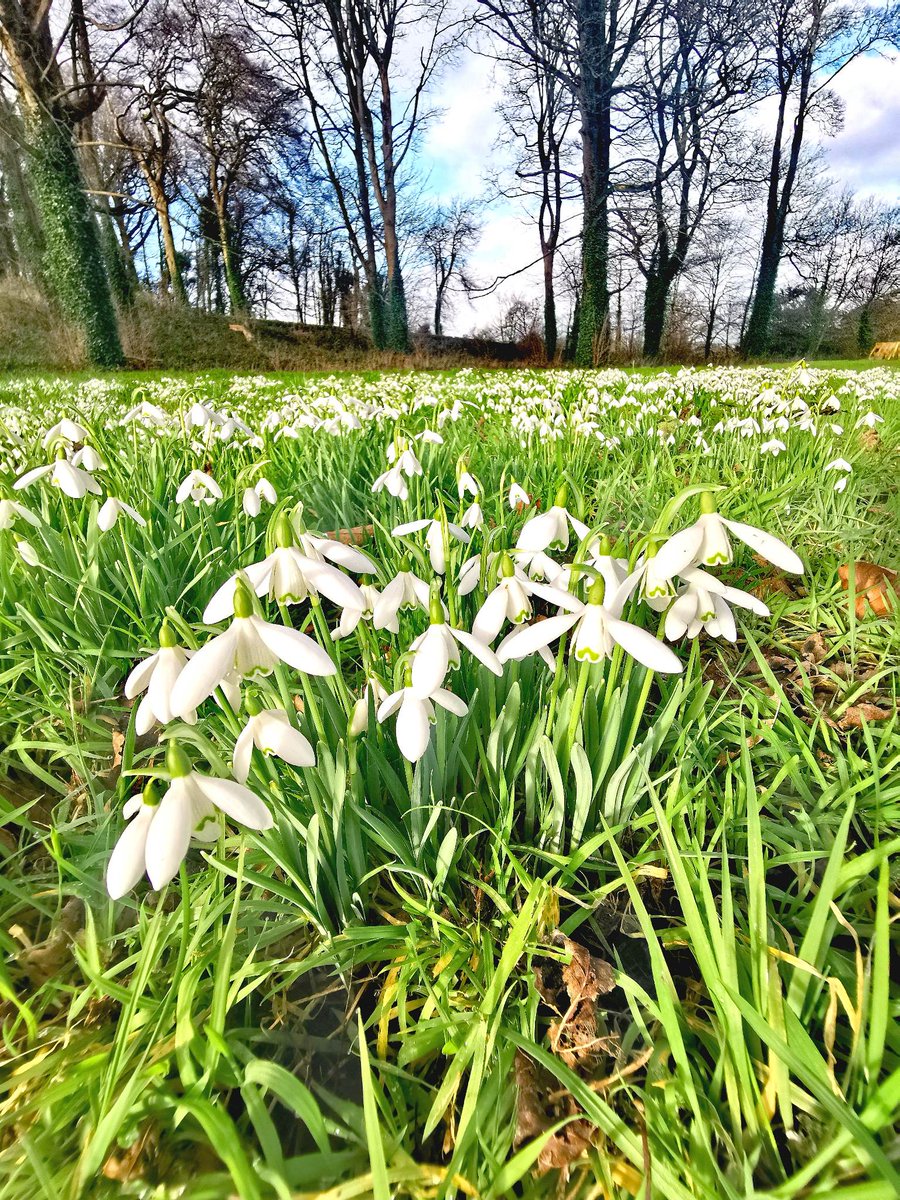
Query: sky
<point x="460" y="152"/>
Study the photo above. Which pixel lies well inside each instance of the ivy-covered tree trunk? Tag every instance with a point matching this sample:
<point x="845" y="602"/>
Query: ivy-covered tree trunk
<point x="550" y="330"/>
<point x="74" y="267"/>
<point x="74" y="263"/>
<point x="656" y="295"/>
<point x="865" y="331"/>
<point x="24" y="223"/>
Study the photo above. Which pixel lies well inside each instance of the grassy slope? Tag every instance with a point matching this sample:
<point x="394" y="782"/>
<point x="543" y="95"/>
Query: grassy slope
<point x="760" y="843"/>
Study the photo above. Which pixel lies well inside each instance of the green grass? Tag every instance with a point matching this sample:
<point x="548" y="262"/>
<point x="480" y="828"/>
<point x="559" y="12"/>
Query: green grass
<point x="376" y="997"/>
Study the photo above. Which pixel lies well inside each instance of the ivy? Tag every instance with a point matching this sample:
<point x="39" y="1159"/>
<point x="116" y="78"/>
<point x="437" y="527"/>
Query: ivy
<point x="74" y="265"/>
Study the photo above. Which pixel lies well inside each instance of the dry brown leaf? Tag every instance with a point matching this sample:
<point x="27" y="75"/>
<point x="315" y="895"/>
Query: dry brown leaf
<point x="585" y="976"/>
<point x="815" y="648"/>
<point x="854" y="717"/>
<point x="869" y="439"/>
<point x="537" y="1109"/>
<point x="877" y="587"/>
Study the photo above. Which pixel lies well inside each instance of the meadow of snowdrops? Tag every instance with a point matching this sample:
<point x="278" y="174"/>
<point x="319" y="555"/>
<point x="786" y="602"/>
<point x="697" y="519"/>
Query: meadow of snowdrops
<point x="478" y="784"/>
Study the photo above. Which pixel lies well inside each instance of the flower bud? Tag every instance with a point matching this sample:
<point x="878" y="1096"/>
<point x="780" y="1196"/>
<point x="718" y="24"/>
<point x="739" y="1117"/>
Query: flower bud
<point x="243" y="599"/>
<point x="177" y="762"/>
<point x="152" y="793"/>
<point x="597" y="592"/>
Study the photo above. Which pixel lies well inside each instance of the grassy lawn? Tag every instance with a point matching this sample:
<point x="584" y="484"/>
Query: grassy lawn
<point x="615" y="922"/>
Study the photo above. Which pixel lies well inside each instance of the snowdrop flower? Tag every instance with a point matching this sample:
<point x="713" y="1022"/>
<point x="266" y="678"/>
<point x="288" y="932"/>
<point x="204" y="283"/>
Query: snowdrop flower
<point x="518" y="496"/>
<point x="467" y="484"/>
<point x="156" y="676"/>
<point x="597" y="631"/>
<point x="400" y="453"/>
<point x="434" y="539"/>
<point x="510" y="601"/>
<point x="146" y="412"/>
<point x="10" y="509"/>
<point x="841" y="483"/>
<point x="352" y="615"/>
<point x="654" y="573"/>
<point x="289" y="576"/>
<point x="27" y="553"/>
<point x="550" y="530"/>
<point x="470" y="573"/>
<point x="200" y="487"/>
<point x="706" y="542"/>
<point x="839" y="464"/>
<point x="539" y="565"/>
<point x="774" y="447"/>
<point x="65" y="430"/>
<point x="88" y="458"/>
<point x="111" y="511"/>
<point x="359" y="721"/>
<point x="71" y="480"/>
<point x="252" y="499"/>
<point x="415" y="716"/>
<point x="200" y="415"/>
<point x="161" y="828"/>
<point x="436" y="651"/>
<point x="870" y="420"/>
<point x="473" y="517"/>
<point x="431" y="436"/>
<point x="703" y="604"/>
<point x="271" y="732"/>
<point x="405" y="590"/>
<point x="395" y="483"/>
<point x="250" y="647"/>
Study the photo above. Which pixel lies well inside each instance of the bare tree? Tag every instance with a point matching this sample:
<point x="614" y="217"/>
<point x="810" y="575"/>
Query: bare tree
<point x="807" y="44"/>
<point x="596" y="42"/>
<point x="365" y="111"/>
<point x="698" y="73"/>
<point x="538" y="112"/>
<point x="447" y="241"/>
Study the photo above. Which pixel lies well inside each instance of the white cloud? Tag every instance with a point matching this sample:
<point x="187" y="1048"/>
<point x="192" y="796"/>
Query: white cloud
<point x="866" y="153"/>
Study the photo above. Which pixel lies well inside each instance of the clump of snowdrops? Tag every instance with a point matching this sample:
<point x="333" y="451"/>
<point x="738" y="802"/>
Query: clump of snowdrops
<point x="598" y="599"/>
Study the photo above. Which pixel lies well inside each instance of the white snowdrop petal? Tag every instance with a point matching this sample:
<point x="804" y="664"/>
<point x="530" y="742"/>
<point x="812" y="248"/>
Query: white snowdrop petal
<point x="235" y="801"/>
<point x="294" y="648"/>
<point x="170" y="833"/>
<point x="769" y="547"/>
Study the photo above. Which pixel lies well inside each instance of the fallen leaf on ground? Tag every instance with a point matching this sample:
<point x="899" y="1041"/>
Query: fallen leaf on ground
<point x="815" y="648"/>
<point x="537" y="1110"/>
<point x="854" y="717"/>
<point x="876" y="586"/>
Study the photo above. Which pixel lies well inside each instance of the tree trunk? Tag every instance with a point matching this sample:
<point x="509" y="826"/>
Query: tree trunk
<point x="710" y="328"/>
<point x="551" y="334"/>
<point x="396" y="325"/>
<point x="594" y="105"/>
<point x="237" y="301"/>
<point x="170" y="253"/>
<point x="73" y="261"/>
<point x="656" y="296"/>
<point x="756" y="336"/>
<point x="25" y="226"/>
